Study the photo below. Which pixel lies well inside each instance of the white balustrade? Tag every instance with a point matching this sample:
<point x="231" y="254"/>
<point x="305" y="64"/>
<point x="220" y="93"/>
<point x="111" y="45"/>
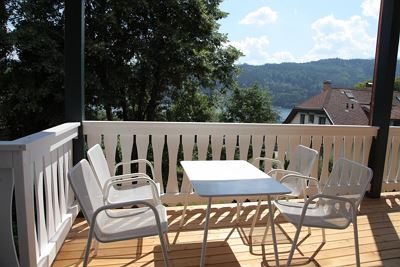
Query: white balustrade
<point x="352" y="142"/>
<point x="391" y="174"/>
<point x="36" y="168"/>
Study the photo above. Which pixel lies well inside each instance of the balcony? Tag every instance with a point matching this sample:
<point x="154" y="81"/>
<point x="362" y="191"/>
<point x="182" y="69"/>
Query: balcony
<point x="49" y="232"/>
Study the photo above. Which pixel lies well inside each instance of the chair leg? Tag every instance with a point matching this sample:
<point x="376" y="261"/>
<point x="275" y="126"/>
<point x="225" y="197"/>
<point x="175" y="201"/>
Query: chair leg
<point x="355" y="229"/>
<point x="268" y="224"/>
<point x="305" y="199"/>
<point x="253" y="224"/>
<point x="95" y="247"/>
<point x="88" y="244"/>
<point x="294" y="245"/>
<point x="323" y="235"/>
<point x="185" y="205"/>
<point x="167" y="241"/>
<point x="238" y="206"/>
<point x="164" y="247"/>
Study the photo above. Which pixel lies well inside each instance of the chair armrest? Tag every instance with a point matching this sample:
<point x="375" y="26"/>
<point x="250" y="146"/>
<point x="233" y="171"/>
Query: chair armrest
<point x="148" y="163"/>
<point x="123" y="178"/>
<point x="302" y="177"/>
<point x="124" y="204"/>
<point x="136" y="177"/>
<point x="283" y="171"/>
<point x="278" y="162"/>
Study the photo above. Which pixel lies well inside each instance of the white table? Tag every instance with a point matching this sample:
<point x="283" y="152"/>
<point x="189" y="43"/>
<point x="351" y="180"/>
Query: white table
<point x="217" y="178"/>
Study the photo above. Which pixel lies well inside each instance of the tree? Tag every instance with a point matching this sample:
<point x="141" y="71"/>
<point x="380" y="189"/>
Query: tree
<point x="143" y="53"/>
<point x="191" y="104"/>
<point x="396" y="85"/>
<point x="252" y="104"/>
<point x="32" y="86"/>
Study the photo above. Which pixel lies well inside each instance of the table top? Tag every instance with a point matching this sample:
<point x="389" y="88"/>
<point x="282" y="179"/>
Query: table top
<point x="230" y="178"/>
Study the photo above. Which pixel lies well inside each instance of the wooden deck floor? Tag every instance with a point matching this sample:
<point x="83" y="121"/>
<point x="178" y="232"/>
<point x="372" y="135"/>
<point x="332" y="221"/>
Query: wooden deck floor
<point x="228" y="243"/>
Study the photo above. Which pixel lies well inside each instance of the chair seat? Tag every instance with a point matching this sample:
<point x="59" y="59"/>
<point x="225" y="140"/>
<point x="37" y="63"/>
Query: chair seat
<point x="121" y="224"/>
<point x="321" y="216"/>
<point x="140" y="192"/>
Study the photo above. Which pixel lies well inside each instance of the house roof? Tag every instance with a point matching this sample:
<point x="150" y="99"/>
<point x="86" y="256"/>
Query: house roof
<point x="344" y="106"/>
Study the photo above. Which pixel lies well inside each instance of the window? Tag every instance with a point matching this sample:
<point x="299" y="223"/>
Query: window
<point x="311" y="118"/>
<point x="302" y="118"/>
<point x="349" y="94"/>
<point x="321" y="120"/>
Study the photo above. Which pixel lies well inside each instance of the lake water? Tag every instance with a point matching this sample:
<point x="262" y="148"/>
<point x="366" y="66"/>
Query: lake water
<point x="282" y="112"/>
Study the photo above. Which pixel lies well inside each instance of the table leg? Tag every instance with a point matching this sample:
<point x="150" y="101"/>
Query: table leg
<point x="204" y="246"/>
<point x="271" y="217"/>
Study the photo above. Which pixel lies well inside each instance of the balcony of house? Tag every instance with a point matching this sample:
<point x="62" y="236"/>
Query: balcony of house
<point x="49" y="232"/>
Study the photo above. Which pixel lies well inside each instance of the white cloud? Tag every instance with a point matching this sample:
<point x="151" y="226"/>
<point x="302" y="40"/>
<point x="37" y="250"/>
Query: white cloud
<point x="260" y="17"/>
<point x="341" y="38"/>
<point x="370" y="8"/>
<point x="255" y="50"/>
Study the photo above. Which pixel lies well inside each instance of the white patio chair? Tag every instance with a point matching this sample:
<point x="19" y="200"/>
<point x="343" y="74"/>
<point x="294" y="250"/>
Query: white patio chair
<point x="107" y="222"/>
<point x="335" y="207"/>
<point x="300" y="164"/>
<point x="118" y="194"/>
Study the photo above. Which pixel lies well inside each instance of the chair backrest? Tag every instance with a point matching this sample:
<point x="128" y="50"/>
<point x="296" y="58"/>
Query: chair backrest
<point x="302" y="161"/>
<point x="86" y="188"/>
<point x="348" y="178"/>
<point x="99" y="163"/>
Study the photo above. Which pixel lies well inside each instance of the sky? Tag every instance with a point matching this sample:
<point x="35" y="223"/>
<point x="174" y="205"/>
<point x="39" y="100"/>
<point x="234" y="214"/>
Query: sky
<point x="276" y="31"/>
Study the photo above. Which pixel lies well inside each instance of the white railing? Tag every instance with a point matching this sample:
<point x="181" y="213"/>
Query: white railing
<point x="352" y="142"/>
<point x="36" y="168"/>
<point x="391" y="174"/>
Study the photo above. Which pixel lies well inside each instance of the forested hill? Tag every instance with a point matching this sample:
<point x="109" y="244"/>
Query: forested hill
<point x="291" y="83"/>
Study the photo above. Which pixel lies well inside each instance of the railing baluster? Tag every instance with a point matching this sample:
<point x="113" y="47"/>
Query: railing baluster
<point x="110" y="145"/>
<point x="256" y="143"/>
<point x="48" y="196"/>
<point x="61" y="181"/>
<point x="173" y="146"/>
<point x="326" y="157"/>
<point x="244" y="143"/>
<point x="187" y="143"/>
<point x="230" y="145"/>
<point x="202" y="145"/>
<point x="157" y="142"/>
<point x="55" y="180"/>
<point x="40" y="217"/>
<point x="126" y="142"/>
<point x="142" y="145"/>
<point x="216" y="143"/>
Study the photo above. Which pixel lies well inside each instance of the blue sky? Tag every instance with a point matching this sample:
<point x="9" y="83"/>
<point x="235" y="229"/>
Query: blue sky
<point x="275" y="31"/>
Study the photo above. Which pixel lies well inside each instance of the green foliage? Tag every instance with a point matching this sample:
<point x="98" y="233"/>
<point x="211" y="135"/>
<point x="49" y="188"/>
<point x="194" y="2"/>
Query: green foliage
<point x="140" y="54"/>
<point x="252" y="104"/>
<point x="292" y="83"/>
<point x="32" y="84"/>
<point x="137" y="56"/>
<point x="191" y="105"/>
<point x="396" y="86"/>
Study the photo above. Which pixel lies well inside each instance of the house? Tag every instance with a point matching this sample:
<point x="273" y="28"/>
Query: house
<point x="340" y="106"/>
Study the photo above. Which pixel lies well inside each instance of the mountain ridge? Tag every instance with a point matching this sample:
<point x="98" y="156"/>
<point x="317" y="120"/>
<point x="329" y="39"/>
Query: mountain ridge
<point x="291" y="83"/>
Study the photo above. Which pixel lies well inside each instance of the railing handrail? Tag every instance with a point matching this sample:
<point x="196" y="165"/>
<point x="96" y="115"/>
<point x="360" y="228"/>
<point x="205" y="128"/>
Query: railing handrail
<point x="43" y="139"/>
<point x="141" y="127"/>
